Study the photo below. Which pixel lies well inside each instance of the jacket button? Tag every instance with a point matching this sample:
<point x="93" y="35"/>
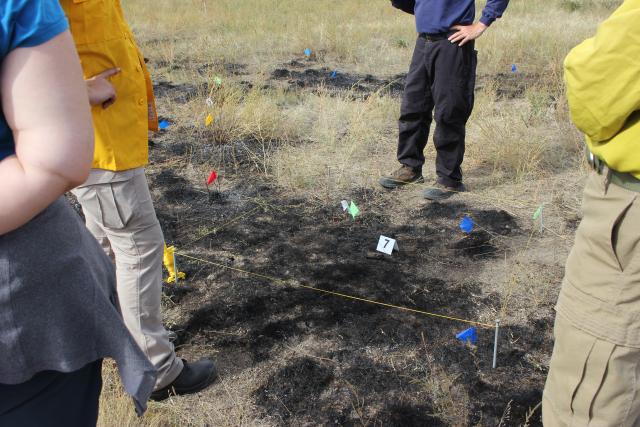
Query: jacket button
<point x="141" y="101"/>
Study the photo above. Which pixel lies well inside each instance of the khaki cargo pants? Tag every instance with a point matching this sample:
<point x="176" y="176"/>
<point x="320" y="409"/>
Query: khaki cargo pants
<point x="120" y="214"/>
<point x="594" y="374"/>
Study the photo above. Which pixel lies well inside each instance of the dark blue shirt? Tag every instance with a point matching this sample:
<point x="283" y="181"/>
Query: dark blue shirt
<point x="25" y="23"/>
<point x="438" y="16"/>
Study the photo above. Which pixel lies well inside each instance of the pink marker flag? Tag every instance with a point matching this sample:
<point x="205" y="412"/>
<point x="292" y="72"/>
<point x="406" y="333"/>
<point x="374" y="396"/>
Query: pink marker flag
<point x="212" y="177"/>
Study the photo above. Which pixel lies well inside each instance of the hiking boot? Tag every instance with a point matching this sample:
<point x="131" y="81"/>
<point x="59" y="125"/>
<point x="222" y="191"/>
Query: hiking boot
<point x="403" y="176"/>
<point x="440" y="191"/>
<point x="193" y="378"/>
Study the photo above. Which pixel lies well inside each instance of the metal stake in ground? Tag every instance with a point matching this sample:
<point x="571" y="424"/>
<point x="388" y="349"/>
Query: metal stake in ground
<point x="495" y="345"/>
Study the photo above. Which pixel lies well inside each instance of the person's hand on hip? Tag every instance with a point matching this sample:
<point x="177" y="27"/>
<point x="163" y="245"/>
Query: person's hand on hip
<point x="467" y="33"/>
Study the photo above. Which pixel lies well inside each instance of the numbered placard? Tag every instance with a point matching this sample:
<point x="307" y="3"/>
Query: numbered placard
<point x="387" y="245"/>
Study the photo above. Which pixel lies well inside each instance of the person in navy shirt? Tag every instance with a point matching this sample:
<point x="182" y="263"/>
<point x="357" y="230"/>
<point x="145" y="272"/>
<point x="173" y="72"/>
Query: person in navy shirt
<point x="440" y="85"/>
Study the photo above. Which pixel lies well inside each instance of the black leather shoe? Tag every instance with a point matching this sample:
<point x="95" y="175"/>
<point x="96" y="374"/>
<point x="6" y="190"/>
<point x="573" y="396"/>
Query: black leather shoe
<point x="440" y="191"/>
<point x="194" y="377"/>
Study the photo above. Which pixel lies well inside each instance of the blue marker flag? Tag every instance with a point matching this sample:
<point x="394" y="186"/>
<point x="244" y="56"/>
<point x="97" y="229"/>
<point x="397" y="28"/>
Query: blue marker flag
<point x="334" y="74"/>
<point x="470" y="335"/>
<point x="307" y="52"/>
<point x="163" y="124"/>
<point x="466" y="225"/>
<point x="514" y="69"/>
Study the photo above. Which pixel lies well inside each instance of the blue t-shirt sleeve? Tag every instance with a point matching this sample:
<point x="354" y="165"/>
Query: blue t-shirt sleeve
<point x="35" y="22"/>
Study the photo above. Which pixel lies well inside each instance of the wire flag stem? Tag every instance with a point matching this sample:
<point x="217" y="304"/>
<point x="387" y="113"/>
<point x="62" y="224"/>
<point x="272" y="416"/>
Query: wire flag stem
<point x="339" y="294"/>
<point x="175" y="264"/>
<point x="495" y="345"/>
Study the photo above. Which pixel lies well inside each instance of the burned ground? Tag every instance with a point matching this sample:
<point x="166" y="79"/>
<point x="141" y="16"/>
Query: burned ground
<point x="307" y="75"/>
<point x="323" y="359"/>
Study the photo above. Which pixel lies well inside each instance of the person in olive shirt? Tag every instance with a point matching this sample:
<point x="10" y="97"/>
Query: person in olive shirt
<point x="595" y="366"/>
<point x="442" y="78"/>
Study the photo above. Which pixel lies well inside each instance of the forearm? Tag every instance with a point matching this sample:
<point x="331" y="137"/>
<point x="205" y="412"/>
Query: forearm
<point x="48" y="162"/>
<point x="26" y="191"/>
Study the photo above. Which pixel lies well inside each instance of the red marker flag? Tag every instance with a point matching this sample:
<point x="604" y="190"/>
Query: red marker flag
<point x="212" y="177"/>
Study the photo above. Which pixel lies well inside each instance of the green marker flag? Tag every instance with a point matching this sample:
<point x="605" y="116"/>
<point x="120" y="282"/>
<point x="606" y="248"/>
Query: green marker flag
<point x="217" y="81"/>
<point x="538" y="213"/>
<point x="353" y="210"/>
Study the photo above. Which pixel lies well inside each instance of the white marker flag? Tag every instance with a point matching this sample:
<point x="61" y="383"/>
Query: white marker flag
<point x="386" y="245"/>
<point x="345" y="205"/>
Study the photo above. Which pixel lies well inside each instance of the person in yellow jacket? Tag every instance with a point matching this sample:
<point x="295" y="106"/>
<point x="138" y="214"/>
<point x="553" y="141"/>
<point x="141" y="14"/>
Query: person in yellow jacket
<point x="116" y="199"/>
<point x="595" y="366"/>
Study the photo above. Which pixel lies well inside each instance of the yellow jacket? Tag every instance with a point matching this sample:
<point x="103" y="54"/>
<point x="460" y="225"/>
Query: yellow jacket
<point x="103" y="40"/>
<point x="603" y="80"/>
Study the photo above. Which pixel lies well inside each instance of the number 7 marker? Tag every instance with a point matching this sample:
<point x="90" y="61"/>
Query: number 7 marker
<point x="387" y="245"/>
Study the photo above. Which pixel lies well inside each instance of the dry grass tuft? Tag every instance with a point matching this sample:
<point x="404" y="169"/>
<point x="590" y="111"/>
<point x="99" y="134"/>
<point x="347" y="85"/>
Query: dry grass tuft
<point x="116" y="408"/>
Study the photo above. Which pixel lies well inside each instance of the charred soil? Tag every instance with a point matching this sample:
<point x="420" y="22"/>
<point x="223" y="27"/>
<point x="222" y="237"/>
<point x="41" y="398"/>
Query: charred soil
<point x="322" y="359"/>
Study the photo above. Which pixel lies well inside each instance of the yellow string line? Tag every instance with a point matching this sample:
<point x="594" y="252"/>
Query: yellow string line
<point x="338" y="294"/>
<point x="262" y="204"/>
<point x="226" y="224"/>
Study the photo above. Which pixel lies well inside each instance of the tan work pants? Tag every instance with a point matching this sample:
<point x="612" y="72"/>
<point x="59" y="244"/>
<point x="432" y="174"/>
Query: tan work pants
<point x="120" y="214"/>
<point x="591" y="382"/>
<point x="594" y="374"/>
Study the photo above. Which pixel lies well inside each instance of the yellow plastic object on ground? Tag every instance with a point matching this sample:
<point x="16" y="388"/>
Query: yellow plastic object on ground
<point x="602" y="76"/>
<point x="169" y="263"/>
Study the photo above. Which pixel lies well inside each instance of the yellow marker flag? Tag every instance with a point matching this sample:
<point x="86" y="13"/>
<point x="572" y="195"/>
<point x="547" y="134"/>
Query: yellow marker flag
<point x="169" y="263"/>
<point x="208" y="120"/>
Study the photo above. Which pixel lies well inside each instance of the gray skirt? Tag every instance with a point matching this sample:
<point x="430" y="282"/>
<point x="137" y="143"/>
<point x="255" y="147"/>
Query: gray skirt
<point x="58" y="304"/>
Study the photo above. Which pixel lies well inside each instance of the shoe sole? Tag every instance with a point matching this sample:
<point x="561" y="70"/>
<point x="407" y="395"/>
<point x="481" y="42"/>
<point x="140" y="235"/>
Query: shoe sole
<point x="165" y="394"/>
<point x="439" y="198"/>
<point x="445" y="194"/>
<point x="390" y="184"/>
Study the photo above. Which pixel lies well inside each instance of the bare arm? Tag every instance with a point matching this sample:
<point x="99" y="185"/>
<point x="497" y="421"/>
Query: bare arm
<point x="44" y="99"/>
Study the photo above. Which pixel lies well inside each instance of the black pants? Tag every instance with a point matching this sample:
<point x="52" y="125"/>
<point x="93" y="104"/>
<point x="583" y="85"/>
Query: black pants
<point x="52" y="399"/>
<point x="442" y="76"/>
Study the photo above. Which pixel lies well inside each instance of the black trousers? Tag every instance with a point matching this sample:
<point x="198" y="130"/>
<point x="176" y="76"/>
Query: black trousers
<point x="441" y="78"/>
<point x="53" y="399"/>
